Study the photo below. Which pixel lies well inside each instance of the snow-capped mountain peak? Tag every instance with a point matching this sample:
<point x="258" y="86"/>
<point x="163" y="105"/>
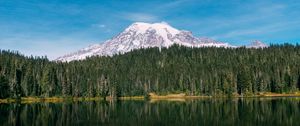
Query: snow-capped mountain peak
<point x="143" y="35"/>
<point x="164" y="30"/>
<point x="161" y="28"/>
<point x="257" y="44"/>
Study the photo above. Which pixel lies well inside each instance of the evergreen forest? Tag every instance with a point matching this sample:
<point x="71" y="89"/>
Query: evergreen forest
<point x="207" y="71"/>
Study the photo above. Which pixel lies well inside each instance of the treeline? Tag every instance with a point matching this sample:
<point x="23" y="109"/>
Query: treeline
<point x="195" y="71"/>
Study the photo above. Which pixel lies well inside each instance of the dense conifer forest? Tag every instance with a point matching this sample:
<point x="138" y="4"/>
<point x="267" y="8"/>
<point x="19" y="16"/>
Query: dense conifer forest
<point x="194" y="71"/>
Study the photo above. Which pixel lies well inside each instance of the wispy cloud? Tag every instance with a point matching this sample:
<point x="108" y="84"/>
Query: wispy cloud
<point x="258" y="30"/>
<point x="99" y="25"/>
<point x="44" y="46"/>
<point x="144" y="17"/>
<point x="257" y="19"/>
<point x="175" y="4"/>
<point x="102" y="27"/>
<point x="39" y="27"/>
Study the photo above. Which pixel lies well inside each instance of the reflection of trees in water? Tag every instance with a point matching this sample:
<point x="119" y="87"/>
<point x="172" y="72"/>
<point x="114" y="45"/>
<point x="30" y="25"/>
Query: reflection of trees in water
<point x="191" y="112"/>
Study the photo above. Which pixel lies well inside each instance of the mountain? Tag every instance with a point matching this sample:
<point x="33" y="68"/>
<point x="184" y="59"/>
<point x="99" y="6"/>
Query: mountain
<point x="143" y="35"/>
<point x="257" y="44"/>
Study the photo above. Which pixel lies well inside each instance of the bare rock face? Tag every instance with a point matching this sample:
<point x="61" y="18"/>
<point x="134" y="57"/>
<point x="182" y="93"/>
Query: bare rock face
<point x="142" y="35"/>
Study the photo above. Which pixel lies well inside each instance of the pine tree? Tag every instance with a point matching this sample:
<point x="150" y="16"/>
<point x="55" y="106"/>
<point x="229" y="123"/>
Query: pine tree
<point x="17" y="86"/>
<point x="298" y="83"/>
<point x="244" y="81"/>
<point x="4" y="87"/>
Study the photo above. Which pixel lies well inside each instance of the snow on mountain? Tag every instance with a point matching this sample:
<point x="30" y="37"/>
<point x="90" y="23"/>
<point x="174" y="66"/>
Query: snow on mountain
<point x="257" y="44"/>
<point x="143" y="35"/>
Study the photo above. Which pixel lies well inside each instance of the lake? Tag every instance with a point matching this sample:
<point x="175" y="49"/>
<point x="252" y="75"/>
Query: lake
<point x="241" y="112"/>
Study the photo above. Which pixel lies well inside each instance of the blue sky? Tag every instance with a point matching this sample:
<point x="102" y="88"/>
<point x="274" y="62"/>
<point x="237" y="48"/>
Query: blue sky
<point x="57" y="27"/>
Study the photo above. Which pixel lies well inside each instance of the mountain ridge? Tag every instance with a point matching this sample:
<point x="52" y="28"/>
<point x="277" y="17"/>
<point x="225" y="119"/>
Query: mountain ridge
<point x="146" y="35"/>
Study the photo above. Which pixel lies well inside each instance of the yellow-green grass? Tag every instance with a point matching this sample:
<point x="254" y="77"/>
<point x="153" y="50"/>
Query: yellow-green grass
<point x="174" y="96"/>
<point x="132" y="98"/>
<point x="270" y="94"/>
<point x="152" y="96"/>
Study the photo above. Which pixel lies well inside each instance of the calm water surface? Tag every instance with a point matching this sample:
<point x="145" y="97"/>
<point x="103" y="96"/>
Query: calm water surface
<point x="240" y="112"/>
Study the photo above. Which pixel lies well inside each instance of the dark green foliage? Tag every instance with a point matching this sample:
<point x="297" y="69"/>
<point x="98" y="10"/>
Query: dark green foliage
<point x="4" y="87"/>
<point x="195" y="71"/>
<point x="244" y="83"/>
<point x="17" y="89"/>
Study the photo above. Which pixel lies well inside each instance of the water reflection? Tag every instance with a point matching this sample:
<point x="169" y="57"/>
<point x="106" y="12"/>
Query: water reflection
<point x="280" y="111"/>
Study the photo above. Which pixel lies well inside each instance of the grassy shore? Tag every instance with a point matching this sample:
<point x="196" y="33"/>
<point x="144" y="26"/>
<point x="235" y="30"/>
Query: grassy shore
<point x="132" y="98"/>
<point x="174" y="96"/>
<point x="152" y="96"/>
<point x="184" y="96"/>
<point x="270" y="94"/>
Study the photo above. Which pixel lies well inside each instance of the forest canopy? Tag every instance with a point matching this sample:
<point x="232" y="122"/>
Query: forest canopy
<point x="194" y="71"/>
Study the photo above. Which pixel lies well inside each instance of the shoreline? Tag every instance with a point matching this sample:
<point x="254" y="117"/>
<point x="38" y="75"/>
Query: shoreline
<point x="152" y="96"/>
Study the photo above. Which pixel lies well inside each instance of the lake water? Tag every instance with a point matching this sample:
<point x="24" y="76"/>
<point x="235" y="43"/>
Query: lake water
<point x="240" y="112"/>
